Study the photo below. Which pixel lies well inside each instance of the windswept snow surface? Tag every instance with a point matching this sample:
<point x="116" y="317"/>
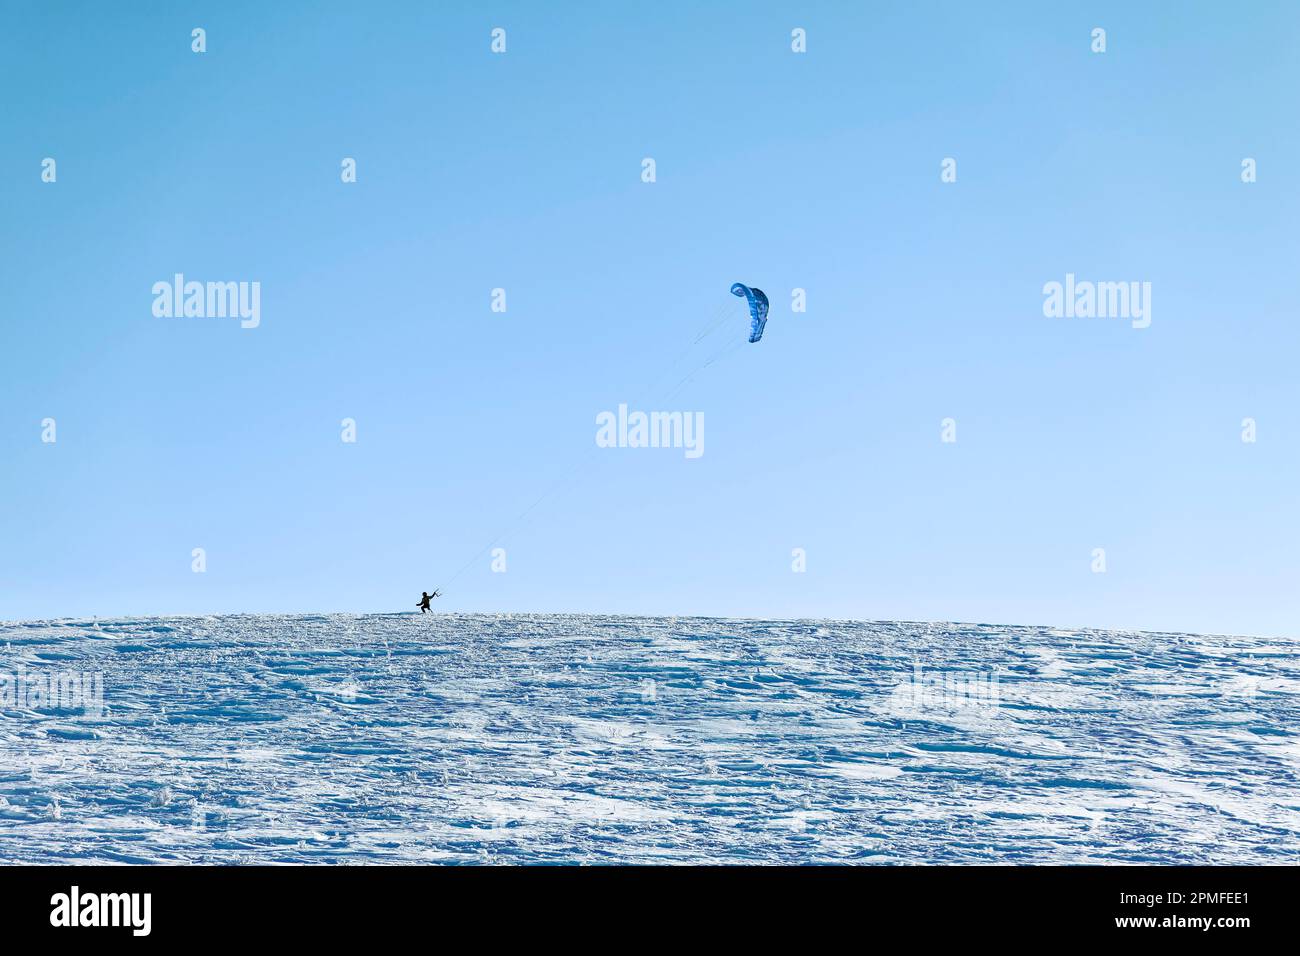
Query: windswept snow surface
<point x="575" y="739"/>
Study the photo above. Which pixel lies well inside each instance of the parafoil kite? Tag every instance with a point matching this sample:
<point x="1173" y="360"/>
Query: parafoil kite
<point x="757" y="309"/>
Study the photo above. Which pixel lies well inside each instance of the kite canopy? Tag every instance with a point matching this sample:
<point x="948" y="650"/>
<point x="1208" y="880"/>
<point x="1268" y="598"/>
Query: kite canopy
<point x="757" y="309"/>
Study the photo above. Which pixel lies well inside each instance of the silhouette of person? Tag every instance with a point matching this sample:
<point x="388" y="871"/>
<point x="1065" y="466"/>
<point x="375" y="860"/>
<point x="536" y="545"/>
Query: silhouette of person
<point x="425" y="597"/>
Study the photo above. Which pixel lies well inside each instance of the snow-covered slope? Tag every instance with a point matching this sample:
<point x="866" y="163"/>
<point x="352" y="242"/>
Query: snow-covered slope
<point x="472" y="738"/>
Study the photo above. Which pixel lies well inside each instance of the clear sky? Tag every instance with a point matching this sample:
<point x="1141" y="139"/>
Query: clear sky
<point x="523" y="171"/>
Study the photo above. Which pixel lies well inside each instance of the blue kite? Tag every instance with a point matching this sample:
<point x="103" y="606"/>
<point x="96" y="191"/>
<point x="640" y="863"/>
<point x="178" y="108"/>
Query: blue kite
<point x="757" y="309"/>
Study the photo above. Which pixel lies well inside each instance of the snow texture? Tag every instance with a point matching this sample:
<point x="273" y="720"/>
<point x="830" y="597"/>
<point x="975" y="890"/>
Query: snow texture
<point x="577" y="739"/>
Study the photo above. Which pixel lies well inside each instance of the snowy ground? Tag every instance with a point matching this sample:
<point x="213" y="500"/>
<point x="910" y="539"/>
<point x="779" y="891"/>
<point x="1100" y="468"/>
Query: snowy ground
<point x="516" y="738"/>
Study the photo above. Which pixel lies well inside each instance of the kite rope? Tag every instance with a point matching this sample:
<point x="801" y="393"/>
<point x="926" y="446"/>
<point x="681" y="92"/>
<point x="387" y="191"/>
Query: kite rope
<point x="726" y="311"/>
<point x="717" y="357"/>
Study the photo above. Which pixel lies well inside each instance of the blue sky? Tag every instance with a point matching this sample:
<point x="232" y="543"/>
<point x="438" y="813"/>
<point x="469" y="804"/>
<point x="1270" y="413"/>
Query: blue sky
<point x="523" y="171"/>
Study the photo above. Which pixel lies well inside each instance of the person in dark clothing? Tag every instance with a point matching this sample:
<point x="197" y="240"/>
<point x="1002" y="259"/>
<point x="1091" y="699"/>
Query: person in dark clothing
<point x="425" y="597"/>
